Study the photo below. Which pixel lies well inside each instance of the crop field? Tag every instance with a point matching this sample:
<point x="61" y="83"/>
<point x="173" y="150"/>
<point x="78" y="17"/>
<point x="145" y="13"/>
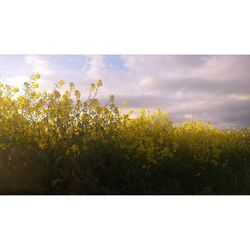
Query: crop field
<point x="57" y="143"/>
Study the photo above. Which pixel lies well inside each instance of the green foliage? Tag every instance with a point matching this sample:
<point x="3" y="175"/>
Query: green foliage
<point x="58" y="143"/>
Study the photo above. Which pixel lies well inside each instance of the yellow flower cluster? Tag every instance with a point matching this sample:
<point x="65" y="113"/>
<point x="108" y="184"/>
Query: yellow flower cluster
<point x="56" y="142"/>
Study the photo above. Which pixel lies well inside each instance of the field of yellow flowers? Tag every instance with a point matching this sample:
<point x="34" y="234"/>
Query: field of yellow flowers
<point x="57" y="143"/>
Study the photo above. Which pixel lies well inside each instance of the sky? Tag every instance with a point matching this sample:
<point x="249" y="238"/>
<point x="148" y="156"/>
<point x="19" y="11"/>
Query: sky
<point x="215" y="89"/>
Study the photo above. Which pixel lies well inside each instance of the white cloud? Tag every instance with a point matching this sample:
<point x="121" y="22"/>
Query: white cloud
<point x="188" y="116"/>
<point x="115" y="82"/>
<point x="16" y="80"/>
<point x="94" y="67"/>
<point x="240" y="97"/>
<point x="38" y="65"/>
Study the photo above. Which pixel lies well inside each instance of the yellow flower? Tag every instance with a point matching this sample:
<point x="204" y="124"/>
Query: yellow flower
<point x="15" y="90"/>
<point x="99" y="83"/>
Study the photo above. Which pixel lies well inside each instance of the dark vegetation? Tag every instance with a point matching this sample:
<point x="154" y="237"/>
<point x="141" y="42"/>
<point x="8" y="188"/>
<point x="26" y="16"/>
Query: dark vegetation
<point x="56" y="143"/>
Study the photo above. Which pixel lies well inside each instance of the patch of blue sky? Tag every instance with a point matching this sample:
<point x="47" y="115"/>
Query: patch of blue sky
<point x="66" y="62"/>
<point x="115" y="62"/>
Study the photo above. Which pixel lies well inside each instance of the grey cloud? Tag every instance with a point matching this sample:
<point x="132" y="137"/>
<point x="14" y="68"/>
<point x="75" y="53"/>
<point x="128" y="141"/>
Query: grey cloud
<point x="234" y="113"/>
<point x="196" y="85"/>
<point x="222" y="112"/>
<point x="150" y="102"/>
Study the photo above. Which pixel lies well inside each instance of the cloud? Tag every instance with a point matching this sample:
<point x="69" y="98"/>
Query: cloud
<point x="16" y="80"/>
<point x="115" y="81"/>
<point x="38" y="65"/>
<point x="215" y="89"/>
<point x="196" y="85"/>
<point x="211" y="88"/>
